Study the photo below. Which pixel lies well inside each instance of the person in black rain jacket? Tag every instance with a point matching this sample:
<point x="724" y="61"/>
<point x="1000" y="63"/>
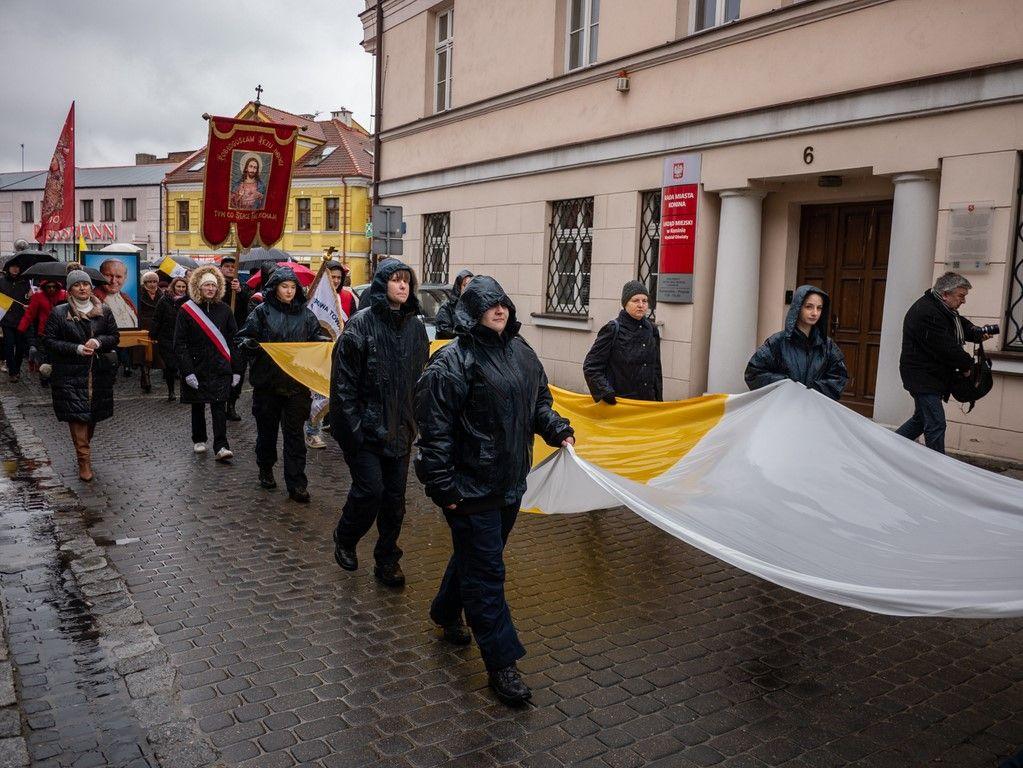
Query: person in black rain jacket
<point x="478" y="405"/>
<point x="625" y="359"/>
<point x="802" y="352"/>
<point x="278" y="401"/>
<point x="376" y="363"/>
<point x="236" y="297"/>
<point x="445" y="320"/>
<point x="165" y="319"/>
<point x="205" y="361"/>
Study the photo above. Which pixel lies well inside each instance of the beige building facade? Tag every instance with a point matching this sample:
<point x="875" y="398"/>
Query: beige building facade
<point x="862" y="145"/>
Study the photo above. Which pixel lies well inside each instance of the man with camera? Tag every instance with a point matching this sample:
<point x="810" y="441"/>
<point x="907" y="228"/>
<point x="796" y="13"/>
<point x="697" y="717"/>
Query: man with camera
<point x="933" y="334"/>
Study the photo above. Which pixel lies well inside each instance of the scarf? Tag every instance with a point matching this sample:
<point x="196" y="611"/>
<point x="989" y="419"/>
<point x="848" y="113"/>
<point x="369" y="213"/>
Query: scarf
<point x="82" y="307"/>
<point x="960" y="338"/>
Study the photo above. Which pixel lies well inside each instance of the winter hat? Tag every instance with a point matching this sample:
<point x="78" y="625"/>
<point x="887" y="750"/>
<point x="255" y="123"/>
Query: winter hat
<point x="633" y="288"/>
<point x="208" y="278"/>
<point x="76" y="276"/>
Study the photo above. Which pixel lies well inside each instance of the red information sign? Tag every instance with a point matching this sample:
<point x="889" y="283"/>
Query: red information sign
<point x="677" y="256"/>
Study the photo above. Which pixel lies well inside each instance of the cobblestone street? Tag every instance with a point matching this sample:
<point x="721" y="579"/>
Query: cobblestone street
<point x="250" y="647"/>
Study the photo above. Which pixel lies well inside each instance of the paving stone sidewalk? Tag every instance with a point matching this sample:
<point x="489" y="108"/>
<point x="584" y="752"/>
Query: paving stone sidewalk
<point x="642" y="651"/>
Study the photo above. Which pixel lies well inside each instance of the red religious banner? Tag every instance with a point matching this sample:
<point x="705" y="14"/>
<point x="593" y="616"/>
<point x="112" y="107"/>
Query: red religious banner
<point x="58" y="209"/>
<point x="247" y="181"/>
<point x="679" y="192"/>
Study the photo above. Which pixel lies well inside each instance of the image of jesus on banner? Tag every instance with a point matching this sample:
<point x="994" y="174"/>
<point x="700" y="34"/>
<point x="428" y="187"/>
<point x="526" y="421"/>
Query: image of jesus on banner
<point x="250" y="172"/>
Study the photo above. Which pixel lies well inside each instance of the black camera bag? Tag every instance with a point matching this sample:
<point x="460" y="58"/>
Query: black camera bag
<point x="977" y="383"/>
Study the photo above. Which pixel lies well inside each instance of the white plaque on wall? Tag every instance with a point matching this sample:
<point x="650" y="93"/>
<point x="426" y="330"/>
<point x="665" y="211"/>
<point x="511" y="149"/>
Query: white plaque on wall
<point x="969" y="236"/>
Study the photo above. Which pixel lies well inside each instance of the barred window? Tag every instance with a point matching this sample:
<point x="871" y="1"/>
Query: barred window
<point x="650" y="243"/>
<point x="568" y="264"/>
<point x="436" y="231"/>
<point x="333" y="218"/>
<point x="1014" y="312"/>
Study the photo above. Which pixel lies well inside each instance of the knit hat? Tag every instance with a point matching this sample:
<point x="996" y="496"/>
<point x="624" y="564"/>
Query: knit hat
<point x="633" y="288"/>
<point x="207" y="279"/>
<point x="76" y="276"/>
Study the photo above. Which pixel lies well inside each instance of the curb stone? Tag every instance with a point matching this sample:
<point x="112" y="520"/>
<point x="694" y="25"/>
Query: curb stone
<point x="13" y="750"/>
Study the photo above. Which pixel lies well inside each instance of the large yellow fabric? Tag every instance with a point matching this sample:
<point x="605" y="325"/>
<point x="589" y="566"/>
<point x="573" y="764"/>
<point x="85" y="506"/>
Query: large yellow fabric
<point x="635" y="439"/>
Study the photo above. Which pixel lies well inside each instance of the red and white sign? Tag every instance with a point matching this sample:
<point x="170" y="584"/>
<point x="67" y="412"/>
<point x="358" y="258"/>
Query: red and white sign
<point x="680" y="190"/>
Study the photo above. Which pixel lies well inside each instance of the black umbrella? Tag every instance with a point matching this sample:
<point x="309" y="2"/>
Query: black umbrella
<point x="27" y="259"/>
<point x="259" y="255"/>
<point x="57" y="270"/>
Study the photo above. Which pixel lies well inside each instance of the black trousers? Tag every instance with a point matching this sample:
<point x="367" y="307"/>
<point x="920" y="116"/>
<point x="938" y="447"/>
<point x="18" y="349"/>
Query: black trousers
<point x="169" y="375"/>
<point x="377" y="494"/>
<point x="218" y="415"/>
<point x="474" y="583"/>
<point x="285" y="413"/>
<point x="15" y="348"/>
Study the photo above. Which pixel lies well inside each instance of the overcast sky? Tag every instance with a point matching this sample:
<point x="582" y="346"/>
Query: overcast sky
<point x="142" y="72"/>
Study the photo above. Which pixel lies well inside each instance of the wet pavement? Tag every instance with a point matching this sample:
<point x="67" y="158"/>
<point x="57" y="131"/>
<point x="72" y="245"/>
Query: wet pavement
<point x="641" y="650"/>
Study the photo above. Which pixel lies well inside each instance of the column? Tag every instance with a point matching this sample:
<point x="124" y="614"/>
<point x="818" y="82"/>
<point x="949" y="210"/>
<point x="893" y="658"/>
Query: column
<point x="733" y="329"/>
<point x="910" y="273"/>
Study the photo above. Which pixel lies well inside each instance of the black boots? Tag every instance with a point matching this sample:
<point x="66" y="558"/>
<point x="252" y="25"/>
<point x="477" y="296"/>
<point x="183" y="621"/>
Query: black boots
<point x="508" y="686"/>
<point x="301" y="495"/>
<point x="232" y="412"/>
<point x="266" y="477"/>
<point x="146" y="381"/>
<point x="390" y="575"/>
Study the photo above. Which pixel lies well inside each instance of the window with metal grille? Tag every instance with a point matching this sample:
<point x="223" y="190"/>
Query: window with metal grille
<point x="650" y="243"/>
<point x="333" y="219"/>
<point x="1014" y="312"/>
<point x="436" y="230"/>
<point x="568" y="262"/>
<point x="304" y="220"/>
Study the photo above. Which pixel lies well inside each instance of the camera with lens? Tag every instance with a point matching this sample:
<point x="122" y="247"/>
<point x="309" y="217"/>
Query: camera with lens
<point x="990" y="330"/>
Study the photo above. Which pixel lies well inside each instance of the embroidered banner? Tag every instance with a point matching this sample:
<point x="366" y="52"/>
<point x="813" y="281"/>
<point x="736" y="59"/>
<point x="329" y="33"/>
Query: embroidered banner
<point x="247" y="181"/>
<point x="204" y="322"/>
<point x="58" y="208"/>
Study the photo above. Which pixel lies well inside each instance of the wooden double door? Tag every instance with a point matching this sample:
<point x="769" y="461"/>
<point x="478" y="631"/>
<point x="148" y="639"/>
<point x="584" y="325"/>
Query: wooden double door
<point x="843" y="249"/>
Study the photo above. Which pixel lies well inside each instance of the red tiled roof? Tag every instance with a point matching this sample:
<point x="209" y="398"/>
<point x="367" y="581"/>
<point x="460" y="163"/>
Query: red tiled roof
<point x="350" y="158"/>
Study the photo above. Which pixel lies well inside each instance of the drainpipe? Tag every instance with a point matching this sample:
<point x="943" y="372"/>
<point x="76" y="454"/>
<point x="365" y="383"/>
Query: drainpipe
<point x="163" y="213"/>
<point x="344" y="222"/>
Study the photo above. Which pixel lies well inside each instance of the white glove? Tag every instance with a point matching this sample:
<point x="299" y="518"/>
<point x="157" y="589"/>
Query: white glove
<point x="192" y="381"/>
<point x="235" y="378"/>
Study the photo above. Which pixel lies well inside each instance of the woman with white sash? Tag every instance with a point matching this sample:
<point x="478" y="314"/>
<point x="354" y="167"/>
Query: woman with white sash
<point x="206" y="357"/>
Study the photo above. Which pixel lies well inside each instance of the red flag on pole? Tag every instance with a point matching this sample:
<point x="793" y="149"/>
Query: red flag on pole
<point x="58" y="210"/>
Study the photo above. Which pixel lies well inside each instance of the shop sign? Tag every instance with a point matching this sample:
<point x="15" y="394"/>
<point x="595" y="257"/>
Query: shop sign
<point x="680" y="189"/>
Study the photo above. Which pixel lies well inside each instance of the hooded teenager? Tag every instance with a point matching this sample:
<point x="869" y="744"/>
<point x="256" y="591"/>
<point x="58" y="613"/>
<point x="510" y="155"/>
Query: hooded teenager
<point x="204" y="348"/>
<point x="279" y="403"/>
<point x="625" y="359"/>
<point x="81" y="340"/>
<point x="445" y="320"/>
<point x="478" y="406"/>
<point x="375" y="366"/>
<point x="802" y="352"/>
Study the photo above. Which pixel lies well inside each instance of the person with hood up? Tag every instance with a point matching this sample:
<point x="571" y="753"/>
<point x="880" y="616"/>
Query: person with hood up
<point x="376" y="362"/>
<point x="15" y="343"/>
<point x="802" y="352"/>
<point x="204" y="348"/>
<point x="165" y="320"/>
<point x="278" y="401"/>
<point x="625" y="359"/>
<point x="236" y="297"/>
<point x="33" y="322"/>
<point x="81" y="340"/>
<point x="478" y="406"/>
<point x="445" y="320"/>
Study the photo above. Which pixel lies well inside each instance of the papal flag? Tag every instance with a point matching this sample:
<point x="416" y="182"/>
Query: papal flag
<point x="171" y="268"/>
<point x="325" y="304"/>
<point x="6" y="302"/>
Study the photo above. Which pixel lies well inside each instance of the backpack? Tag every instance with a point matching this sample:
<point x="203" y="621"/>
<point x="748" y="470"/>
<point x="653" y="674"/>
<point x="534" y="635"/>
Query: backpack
<point x="972" y="387"/>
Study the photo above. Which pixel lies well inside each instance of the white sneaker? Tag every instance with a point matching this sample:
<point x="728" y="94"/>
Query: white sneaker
<point x="225" y="454"/>
<point x="199" y="447"/>
<point x="315" y="441"/>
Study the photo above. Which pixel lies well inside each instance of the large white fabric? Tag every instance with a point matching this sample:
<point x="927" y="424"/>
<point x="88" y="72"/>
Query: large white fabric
<point x="805" y="493"/>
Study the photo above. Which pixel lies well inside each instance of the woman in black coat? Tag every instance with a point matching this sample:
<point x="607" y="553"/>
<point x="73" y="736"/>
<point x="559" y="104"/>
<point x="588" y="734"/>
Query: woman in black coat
<point x="625" y="359"/>
<point x="802" y="352"/>
<point x="81" y="341"/>
<point x="165" y="318"/>
<point x="444" y="323"/>
<point x="204" y="348"/>
<point x="149" y="297"/>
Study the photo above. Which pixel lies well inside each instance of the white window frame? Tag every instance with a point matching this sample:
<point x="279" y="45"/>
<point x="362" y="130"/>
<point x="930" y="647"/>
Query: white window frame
<point x="590" y="31"/>
<point x="719" y="15"/>
<point x="443" y="46"/>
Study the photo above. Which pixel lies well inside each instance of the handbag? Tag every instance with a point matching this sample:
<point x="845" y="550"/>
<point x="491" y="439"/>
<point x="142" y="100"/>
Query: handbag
<point x="975" y="384"/>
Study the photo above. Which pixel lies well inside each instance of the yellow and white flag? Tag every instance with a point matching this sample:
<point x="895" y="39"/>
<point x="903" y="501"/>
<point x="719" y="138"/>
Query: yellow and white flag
<point x="6" y="302"/>
<point x="788" y="485"/>
<point x="171" y="268"/>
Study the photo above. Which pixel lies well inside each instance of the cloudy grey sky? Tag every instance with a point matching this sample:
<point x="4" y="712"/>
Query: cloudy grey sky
<point x="142" y="72"/>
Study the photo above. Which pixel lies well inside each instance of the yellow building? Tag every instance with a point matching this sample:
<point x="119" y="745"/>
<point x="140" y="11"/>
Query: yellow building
<point x="330" y="194"/>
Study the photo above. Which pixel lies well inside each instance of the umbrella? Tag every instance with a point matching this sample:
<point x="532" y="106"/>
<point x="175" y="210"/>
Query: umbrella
<point x="259" y="255"/>
<point x="57" y="270"/>
<point x="303" y="273"/>
<point x="186" y="261"/>
<point x="120" y="248"/>
<point x="27" y="259"/>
